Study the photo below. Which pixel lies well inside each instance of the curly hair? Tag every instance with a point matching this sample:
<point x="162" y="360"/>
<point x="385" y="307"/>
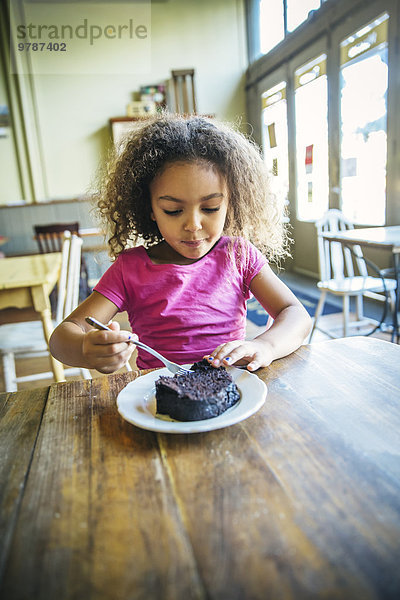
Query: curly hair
<point x="123" y="197"/>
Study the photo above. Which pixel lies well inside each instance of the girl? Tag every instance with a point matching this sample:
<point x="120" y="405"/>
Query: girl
<point x="195" y="193"/>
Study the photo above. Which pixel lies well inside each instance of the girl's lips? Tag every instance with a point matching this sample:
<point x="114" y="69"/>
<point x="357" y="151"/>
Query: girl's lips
<point x="193" y="243"/>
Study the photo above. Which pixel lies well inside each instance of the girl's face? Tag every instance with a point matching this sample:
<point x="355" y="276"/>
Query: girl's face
<point x="189" y="203"/>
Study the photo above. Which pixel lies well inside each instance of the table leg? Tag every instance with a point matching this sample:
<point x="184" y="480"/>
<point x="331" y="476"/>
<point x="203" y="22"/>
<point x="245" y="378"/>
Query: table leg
<point x="41" y="304"/>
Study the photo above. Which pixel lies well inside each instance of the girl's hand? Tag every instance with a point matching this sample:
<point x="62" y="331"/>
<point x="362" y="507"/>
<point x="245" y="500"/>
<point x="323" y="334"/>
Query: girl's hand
<point x="107" y="351"/>
<point x="253" y="353"/>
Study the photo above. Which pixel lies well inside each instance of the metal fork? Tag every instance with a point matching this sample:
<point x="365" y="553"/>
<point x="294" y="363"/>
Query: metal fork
<point x="171" y="366"/>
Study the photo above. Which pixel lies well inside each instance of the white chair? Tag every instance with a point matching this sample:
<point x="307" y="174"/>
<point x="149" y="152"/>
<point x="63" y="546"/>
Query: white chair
<point x="26" y="340"/>
<point x="344" y="273"/>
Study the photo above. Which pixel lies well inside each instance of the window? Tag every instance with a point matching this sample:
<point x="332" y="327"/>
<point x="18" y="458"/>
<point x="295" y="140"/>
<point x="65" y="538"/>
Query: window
<point x="272" y="29"/>
<point x="363" y="152"/>
<point x="343" y="121"/>
<point x="297" y="12"/>
<point x="275" y="139"/>
<point x="311" y="110"/>
<point x="277" y="18"/>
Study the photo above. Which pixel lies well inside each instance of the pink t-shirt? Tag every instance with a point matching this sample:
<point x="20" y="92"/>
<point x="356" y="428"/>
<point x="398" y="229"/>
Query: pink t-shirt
<point x="183" y="311"/>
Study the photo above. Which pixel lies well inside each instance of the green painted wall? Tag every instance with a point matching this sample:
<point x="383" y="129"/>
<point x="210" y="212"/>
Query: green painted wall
<point x="73" y="109"/>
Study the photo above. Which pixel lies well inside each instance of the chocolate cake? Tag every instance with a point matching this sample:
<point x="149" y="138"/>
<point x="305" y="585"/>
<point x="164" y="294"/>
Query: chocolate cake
<point x="204" y="393"/>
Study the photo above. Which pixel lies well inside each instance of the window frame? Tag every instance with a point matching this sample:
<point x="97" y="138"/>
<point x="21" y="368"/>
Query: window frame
<point x="253" y="26"/>
<point x="312" y="51"/>
<point x="265" y="85"/>
<point x="318" y="49"/>
<point x="332" y="23"/>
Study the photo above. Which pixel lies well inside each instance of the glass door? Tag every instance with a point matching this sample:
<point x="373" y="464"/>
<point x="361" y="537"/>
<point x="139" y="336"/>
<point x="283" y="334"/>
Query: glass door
<point x="311" y="122"/>
<point x="363" y="107"/>
<point x="275" y="139"/>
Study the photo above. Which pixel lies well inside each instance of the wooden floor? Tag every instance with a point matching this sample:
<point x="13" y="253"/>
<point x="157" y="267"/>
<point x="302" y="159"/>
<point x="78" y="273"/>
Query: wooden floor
<point x="35" y="365"/>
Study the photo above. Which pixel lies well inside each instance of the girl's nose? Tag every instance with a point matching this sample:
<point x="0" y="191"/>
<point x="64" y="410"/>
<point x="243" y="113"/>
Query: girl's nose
<point x="193" y="223"/>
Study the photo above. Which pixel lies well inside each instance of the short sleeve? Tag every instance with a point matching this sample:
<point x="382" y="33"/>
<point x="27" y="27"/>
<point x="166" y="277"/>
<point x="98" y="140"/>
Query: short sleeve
<point x="111" y="284"/>
<point x="254" y="261"/>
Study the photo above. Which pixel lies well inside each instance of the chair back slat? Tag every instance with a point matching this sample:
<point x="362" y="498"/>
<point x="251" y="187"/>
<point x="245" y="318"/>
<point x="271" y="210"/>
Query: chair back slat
<point x="62" y="281"/>
<point x="50" y="237"/>
<point x="324" y="258"/>
<point x="335" y="260"/>
<point x="68" y="284"/>
<point x="183" y="81"/>
<point x="72" y="292"/>
<point x="362" y="267"/>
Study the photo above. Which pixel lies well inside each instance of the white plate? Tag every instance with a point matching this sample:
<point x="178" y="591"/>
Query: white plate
<point x="137" y="404"/>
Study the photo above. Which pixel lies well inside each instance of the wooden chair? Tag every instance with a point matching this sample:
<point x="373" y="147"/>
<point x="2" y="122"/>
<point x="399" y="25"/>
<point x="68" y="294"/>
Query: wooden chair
<point x="26" y="340"/>
<point x="344" y="273"/>
<point x="184" y="91"/>
<point x="50" y="239"/>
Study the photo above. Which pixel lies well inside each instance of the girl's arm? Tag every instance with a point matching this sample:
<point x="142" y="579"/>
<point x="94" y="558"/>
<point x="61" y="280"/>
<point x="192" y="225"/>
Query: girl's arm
<point x="74" y="342"/>
<point x="291" y="325"/>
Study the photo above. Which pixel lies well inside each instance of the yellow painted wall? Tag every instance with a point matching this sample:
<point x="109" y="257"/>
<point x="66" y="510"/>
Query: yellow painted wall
<point x="73" y="110"/>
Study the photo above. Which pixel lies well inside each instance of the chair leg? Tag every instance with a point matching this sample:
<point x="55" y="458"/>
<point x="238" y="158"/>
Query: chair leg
<point x="318" y="311"/>
<point x="10" y="376"/>
<point x="346" y="311"/>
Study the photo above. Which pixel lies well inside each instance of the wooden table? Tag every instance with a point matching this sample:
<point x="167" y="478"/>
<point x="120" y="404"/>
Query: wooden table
<point x="300" y="501"/>
<point x="26" y="281"/>
<point x="386" y="238"/>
